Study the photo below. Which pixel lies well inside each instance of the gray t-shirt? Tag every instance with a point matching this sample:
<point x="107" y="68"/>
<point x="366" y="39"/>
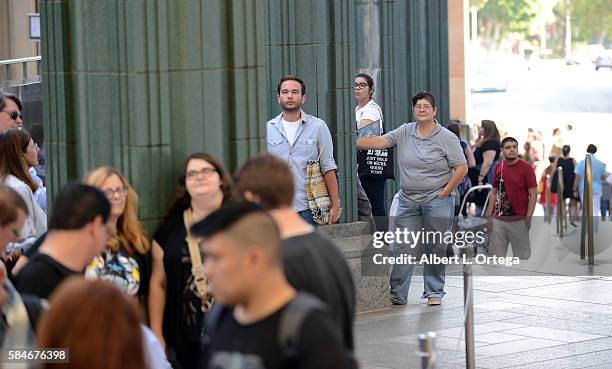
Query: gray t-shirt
<point x="426" y="164"/>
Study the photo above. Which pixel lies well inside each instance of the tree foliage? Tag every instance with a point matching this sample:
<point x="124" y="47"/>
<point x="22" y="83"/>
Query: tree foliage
<point x="591" y="19"/>
<point x="509" y="15"/>
<point x="478" y="4"/>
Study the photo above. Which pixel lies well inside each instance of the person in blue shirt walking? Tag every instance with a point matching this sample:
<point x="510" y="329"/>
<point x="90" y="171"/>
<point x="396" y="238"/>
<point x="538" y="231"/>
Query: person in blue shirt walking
<point x="599" y="175"/>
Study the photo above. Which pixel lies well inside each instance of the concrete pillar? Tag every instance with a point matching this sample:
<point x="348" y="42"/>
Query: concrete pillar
<point x="368" y="40"/>
<point x="141" y="84"/>
<point x="458" y="27"/>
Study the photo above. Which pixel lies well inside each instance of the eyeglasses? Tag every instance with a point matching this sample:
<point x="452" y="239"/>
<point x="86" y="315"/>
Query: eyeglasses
<point x="205" y="171"/>
<point x="14" y="114"/>
<point x="359" y="86"/>
<point x="121" y="191"/>
<point x="422" y="107"/>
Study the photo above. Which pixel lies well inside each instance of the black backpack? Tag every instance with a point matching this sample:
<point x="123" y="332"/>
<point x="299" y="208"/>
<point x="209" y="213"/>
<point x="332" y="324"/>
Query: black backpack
<point x="290" y="330"/>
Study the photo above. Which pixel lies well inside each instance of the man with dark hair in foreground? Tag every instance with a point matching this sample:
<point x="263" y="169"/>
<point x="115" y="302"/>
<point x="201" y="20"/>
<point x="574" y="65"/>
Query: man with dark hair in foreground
<point x="259" y="320"/>
<point x="77" y="233"/>
<point x="312" y="262"/>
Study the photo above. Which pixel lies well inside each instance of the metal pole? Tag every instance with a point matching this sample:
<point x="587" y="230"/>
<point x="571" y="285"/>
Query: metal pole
<point x="564" y="210"/>
<point x="586" y="231"/>
<point x="547" y="212"/>
<point x="584" y="220"/>
<point x="568" y="34"/>
<point x="589" y="205"/>
<point x="560" y="202"/>
<point x="427" y="350"/>
<point x="468" y="303"/>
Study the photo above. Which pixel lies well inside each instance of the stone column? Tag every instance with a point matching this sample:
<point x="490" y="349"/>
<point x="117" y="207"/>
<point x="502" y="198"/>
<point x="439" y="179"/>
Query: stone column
<point x="141" y="84"/>
<point x="458" y="28"/>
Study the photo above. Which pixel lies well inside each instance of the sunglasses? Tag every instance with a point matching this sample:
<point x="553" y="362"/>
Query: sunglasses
<point x="14" y="115"/>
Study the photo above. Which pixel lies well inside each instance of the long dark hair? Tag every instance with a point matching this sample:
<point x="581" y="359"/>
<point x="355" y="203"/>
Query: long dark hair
<point x="490" y="132"/>
<point x="183" y="199"/>
<point x="13" y="144"/>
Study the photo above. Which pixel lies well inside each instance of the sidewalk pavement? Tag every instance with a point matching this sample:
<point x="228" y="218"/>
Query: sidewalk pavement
<point x="521" y="321"/>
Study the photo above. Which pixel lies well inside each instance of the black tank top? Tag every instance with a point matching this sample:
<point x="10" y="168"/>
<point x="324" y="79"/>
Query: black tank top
<point x="568" y="169"/>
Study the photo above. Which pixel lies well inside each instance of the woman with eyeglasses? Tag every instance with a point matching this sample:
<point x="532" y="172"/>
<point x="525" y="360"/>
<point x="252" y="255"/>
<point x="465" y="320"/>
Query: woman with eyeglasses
<point x="128" y="261"/>
<point x="369" y="120"/>
<point x="203" y="187"/>
<point x="431" y="164"/>
<point x="17" y="153"/>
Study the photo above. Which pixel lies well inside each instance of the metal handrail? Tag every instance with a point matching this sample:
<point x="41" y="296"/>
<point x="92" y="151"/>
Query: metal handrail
<point x="21" y="60"/>
<point x="24" y="66"/>
<point x="587" y="214"/>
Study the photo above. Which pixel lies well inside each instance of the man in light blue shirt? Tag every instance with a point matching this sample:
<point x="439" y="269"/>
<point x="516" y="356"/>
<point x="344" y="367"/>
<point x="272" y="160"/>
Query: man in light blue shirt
<point x="297" y="138"/>
<point x="598" y="175"/>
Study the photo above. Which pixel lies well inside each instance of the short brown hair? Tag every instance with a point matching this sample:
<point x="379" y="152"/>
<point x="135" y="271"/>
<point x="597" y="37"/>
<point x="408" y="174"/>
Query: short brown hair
<point x="424" y="95"/>
<point x="10" y="201"/>
<point x="268" y="178"/>
<point x="98" y="324"/>
<point x="290" y="77"/>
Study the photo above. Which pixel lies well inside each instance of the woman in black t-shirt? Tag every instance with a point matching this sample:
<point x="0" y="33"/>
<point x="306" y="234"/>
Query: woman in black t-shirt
<point x="127" y="261"/>
<point x="204" y="185"/>
<point x="486" y="155"/>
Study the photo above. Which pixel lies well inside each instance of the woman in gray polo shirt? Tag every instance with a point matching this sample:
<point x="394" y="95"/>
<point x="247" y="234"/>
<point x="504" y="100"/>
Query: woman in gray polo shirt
<point x="431" y="164"/>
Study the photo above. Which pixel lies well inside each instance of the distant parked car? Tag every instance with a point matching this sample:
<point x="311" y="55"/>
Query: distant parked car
<point x="585" y="54"/>
<point x="604" y="60"/>
<point x="490" y="76"/>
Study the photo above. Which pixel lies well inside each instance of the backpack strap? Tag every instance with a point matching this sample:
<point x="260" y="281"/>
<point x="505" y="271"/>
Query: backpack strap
<point x="291" y="323"/>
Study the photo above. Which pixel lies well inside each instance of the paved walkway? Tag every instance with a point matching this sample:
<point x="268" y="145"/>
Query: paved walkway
<point x="520" y="322"/>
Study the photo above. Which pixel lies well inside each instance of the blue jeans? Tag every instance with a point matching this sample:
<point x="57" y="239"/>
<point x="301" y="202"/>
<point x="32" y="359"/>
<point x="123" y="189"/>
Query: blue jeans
<point x="306" y="215"/>
<point x="435" y="215"/>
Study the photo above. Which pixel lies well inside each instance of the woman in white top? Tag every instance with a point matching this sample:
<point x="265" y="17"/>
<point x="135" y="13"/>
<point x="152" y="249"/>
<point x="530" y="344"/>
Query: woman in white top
<point x="369" y="121"/>
<point x="17" y="152"/>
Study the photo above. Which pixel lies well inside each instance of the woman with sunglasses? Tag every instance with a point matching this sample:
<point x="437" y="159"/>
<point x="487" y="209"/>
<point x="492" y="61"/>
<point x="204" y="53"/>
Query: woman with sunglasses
<point x="17" y="153"/>
<point x="128" y="261"/>
<point x="203" y="187"/>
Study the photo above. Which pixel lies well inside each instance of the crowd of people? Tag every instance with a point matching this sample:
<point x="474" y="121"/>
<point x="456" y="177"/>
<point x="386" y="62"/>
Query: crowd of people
<point x="237" y="274"/>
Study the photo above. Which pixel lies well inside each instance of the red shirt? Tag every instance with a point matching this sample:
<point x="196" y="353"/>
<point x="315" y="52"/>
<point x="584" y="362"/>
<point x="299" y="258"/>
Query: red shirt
<point x="518" y="179"/>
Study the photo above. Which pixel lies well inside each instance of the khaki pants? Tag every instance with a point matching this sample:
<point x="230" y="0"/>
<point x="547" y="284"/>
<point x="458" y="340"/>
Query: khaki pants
<point x="515" y="233"/>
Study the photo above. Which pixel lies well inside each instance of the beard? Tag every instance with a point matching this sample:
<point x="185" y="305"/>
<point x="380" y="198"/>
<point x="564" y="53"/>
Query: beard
<point x="511" y="158"/>
<point x="293" y="109"/>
